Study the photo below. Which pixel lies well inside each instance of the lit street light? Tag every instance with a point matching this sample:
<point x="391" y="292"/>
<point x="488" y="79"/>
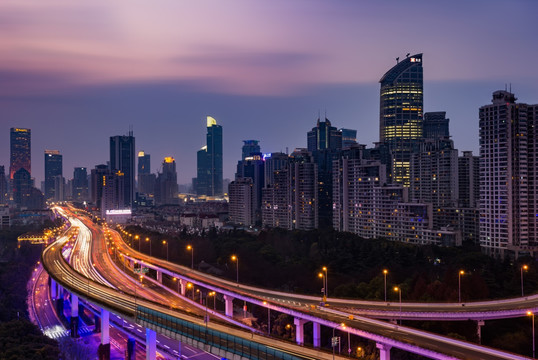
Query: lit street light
<point x="323" y="298"/>
<point x="165" y="243"/>
<point x="524" y="267"/>
<point x="460" y="273"/>
<point x="189" y="247"/>
<point x="385" y="272"/>
<point x="399" y="290"/>
<point x="326" y="283"/>
<point x="138" y="238"/>
<point x="268" y="319"/>
<point x="147" y="240"/>
<point x="334" y="341"/>
<point x="530" y="313"/>
<point x="236" y="259"/>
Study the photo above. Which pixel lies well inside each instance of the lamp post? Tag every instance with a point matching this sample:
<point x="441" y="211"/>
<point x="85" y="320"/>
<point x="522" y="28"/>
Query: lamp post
<point x="460" y="273"/>
<point x="326" y="283"/>
<point x="332" y="340"/>
<point x="399" y="290"/>
<point x="165" y="243"/>
<point x="236" y="259"/>
<point x="530" y="313"/>
<point x="524" y="267"/>
<point x="268" y="319"/>
<point x="190" y="286"/>
<point x="385" y="272"/>
<point x="138" y="238"/>
<point x="189" y="247"/>
<point x="323" y="298"/>
<point x="147" y="240"/>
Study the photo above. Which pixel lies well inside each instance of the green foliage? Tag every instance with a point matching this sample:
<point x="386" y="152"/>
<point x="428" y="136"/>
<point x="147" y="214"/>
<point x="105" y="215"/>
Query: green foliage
<point x="21" y="340"/>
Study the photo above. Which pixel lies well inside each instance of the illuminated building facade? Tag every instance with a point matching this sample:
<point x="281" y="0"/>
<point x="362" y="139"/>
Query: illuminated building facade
<point x="53" y="169"/>
<point x="209" y="158"/>
<point x="20" y="151"/>
<point x="166" y="186"/>
<point x="146" y="180"/>
<point x="508" y="177"/>
<point x="80" y="184"/>
<point x="250" y="147"/>
<point x="122" y="159"/>
<point x="400" y="114"/>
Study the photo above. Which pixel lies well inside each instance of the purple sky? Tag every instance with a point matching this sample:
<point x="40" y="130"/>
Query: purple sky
<point x="78" y="73"/>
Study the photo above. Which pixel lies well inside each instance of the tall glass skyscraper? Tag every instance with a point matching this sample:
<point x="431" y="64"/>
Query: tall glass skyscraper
<point x="53" y="168"/>
<point x="20" y="151"/>
<point x="400" y="113"/>
<point x="209" y="169"/>
<point x="122" y="159"/>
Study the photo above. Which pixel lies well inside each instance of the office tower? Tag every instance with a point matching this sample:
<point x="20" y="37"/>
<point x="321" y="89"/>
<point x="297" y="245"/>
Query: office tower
<point x="241" y="207"/>
<point x="252" y="167"/>
<point x="273" y="162"/>
<point x="400" y="114"/>
<point x="349" y="138"/>
<point x="468" y="180"/>
<point x="97" y="182"/>
<point x="166" y="187"/>
<point x="122" y="158"/>
<point x="3" y="186"/>
<point x="250" y="147"/>
<point x="324" y="136"/>
<point x="508" y="177"/>
<point x="112" y="189"/>
<point x="209" y="158"/>
<point x="146" y="180"/>
<point x="20" y="151"/>
<point x="435" y="125"/>
<point x="53" y="168"/>
<point x="80" y="184"/>
<point x="59" y="188"/>
<point x="324" y="143"/>
<point x="22" y="187"/>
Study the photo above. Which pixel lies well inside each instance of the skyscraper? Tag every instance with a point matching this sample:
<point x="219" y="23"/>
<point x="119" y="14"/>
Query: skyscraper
<point x="122" y="158"/>
<point x="349" y="137"/>
<point x="400" y="113"/>
<point x="435" y="125"/>
<point x="146" y="180"/>
<point x="508" y="177"/>
<point x="80" y="184"/>
<point x="209" y="157"/>
<point x="250" y="147"/>
<point x="20" y="151"/>
<point x="166" y="189"/>
<point x="324" y="136"/>
<point x="3" y="186"/>
<point x="53" y="168"/>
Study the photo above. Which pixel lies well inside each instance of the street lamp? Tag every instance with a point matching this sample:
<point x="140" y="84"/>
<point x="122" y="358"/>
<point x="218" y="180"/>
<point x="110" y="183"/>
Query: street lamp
<point x="460" y="273"/>
<point x="399" y="290"/>
<point x="268" y="319"/>
<point x="524" y="267"/>
<point x="236" y="259"/>
<point x="214" y="294"/>
<point x="385" y="272"/>
<point x="530" y="313"/>
<point x="326" y="283"/>
<point x="333" y="340"/>
<point x="147" y="240"/>
<point x="165" y="243"/>
<point x="138" y="238"/>
<point x="323" y="298"/>
<point x="189" y="247"/>
<point x="190" y="286"/>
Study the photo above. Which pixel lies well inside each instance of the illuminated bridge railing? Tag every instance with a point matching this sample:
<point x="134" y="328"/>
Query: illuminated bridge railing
<point x="213" y="338"/>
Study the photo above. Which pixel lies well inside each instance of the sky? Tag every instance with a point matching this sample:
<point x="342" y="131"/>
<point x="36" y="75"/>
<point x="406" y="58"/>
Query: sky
<point x="79" y="72"/>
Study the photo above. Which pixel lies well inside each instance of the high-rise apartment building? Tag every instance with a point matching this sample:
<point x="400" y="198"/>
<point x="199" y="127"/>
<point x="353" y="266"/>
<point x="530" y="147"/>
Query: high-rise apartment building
<point x="146" y="180"/>
<point x="250" y="147"/>
<point x="80" y="184"/>
<point x="252" y="167"/>
<point x="53" y="169"/>
<point x="22" y="187"/>
<point x="400" y="114"/>
<point x="435" y="125"/>
<point x="468" y="180"/>
<point x="20" y="151"/>
<point x="508" y="177"/>
<point x="166" y="185"/>
<point x="241" y="207"/>
<point x="122" y="159"/>
<point x="209" y="158"/>
<point x="3" y="186"/>
<point x="274" y="162"/>
<point x="277" y="207"/>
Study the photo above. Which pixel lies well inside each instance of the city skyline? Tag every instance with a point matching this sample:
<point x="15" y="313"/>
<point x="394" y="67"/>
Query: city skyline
<point x="252" y="84"/>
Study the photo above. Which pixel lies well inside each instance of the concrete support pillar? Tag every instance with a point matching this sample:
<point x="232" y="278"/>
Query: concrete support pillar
<point x="74" y="316"/>
<point x="182" y="286"/>
<point x="317" y="334"/>
<point x="151" y="344"/>
<point x="299" y="330"/>
<point x="104" y="347"/>
<point x="53" y="289"/>
<point x="179" y="353"/>
<point x="479" y="325"/>
<point x="229" y="305"/>
<point x="160" y="276"/>
<point x="384" y="351"/>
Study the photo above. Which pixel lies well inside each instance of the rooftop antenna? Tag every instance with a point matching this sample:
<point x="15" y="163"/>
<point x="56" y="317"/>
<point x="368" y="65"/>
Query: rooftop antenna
<point x="325" y="114"/>
<point x="407" y="55"/>
<point x="397" y="60"/>
<point x="131" y="130"/>
<point x="510" y="88"/>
